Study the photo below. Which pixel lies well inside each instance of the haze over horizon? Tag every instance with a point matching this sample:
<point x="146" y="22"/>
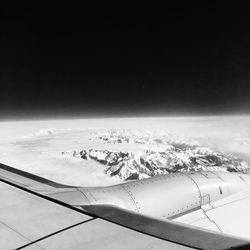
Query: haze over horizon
<point x="121" y="60"/>
<point x="105" y="116"/>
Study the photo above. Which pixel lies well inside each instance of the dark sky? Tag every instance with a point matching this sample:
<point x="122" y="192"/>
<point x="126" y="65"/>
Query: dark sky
<point x="124" y="59"/>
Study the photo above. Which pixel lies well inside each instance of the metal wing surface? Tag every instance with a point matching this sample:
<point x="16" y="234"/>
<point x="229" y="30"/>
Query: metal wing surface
<point x="229" y="215"/>
<point x="31" y="217"/>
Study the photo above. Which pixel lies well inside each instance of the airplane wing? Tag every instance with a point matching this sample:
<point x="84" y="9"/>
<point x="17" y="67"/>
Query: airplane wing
<point x="229" y="215"/>
<point x="31" y="217"/>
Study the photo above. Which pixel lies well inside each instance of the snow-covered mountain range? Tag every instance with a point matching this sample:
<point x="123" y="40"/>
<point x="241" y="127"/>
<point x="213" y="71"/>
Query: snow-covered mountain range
<point x="163" y="155"/>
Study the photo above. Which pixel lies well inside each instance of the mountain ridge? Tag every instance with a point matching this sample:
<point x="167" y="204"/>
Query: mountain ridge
<point x="165" y="155"/>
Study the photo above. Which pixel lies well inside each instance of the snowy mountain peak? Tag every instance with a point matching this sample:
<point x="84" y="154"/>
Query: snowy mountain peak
<point x="164" y="156"/>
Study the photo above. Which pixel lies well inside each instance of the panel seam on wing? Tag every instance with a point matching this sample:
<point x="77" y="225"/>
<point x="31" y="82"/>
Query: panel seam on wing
<point x="11" y="228"/>
<point x="57" y="232"/>
<point x="85" y="196"/>
<point x="137" y="209"/>
<point x="211" y="220"/>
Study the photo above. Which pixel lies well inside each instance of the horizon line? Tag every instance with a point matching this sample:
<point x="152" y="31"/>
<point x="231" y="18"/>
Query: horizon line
<point x="125" y="116"/>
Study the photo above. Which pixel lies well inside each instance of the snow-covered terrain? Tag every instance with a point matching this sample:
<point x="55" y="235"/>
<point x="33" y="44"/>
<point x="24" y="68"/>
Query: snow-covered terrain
<point x="117" y="149"/>
<point x="164" y="155"/>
